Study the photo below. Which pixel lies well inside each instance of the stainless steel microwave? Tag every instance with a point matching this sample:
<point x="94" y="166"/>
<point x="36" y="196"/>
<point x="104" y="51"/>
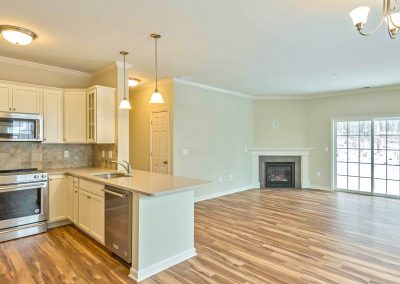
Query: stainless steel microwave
<point x="21" y="127"/>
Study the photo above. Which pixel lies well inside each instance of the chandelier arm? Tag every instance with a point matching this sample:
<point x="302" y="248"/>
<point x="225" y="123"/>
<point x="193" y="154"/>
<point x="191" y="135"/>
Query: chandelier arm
<point x="384" y="9"/>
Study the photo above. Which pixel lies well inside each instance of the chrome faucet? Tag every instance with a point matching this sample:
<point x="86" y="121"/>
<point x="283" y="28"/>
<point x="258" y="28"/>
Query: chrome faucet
<point x="125" y="165"/>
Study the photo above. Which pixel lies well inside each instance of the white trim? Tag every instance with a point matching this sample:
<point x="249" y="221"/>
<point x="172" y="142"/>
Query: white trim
<point x="216" y="89"/>
<point x="222" y="193"/>
<point x="45" y="67"/>
<point x="162" y="265"/>
<point x="321" y="187"/>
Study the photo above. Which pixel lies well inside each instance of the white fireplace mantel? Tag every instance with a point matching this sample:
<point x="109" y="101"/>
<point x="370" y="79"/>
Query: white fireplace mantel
<point x="304" y="153"/>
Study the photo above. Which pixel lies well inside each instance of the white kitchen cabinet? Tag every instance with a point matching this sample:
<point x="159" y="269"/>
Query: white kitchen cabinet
<point x="101" y="115"/>
<point x="91" y="209"/>
<point x="5" y="97"/>
<point x="75" y="216"/>
<point x="53" y="115"/>
<point x="70" y="198"/>
<point x="27" y="99"/>
<point x="57" y="198"/>
<point x="74" y="116"/>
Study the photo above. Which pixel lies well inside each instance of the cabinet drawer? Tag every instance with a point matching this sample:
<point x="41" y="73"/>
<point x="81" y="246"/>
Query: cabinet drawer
<point x="92" y="187"/>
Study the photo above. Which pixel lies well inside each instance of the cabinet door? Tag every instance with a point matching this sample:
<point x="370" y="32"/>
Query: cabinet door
<point x="57" y="197"/>
<point x="75" y="219"/>
<point x="5" y="97"/>
<point x="52" y="116"/>
<point x="26" y="99"/>
<point x="84" y="210"/>
<point x="70" y="198"/>
<point x="97" y="217"/>
<point x="75" y="116"/>
<point x="91" y="116"/>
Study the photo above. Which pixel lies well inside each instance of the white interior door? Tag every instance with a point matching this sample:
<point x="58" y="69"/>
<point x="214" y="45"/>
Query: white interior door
<point x="159" y="142"/>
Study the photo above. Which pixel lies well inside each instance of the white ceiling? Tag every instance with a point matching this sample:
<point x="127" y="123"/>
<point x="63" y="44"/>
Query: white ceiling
<point x="257" y="47"/>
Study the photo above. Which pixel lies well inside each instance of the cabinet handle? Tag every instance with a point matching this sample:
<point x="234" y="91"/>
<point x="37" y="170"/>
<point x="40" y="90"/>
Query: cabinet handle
<point x="76" y="191"/>
<point x="88" y="197"/>
<point x="10" y="109"/>
<point x="14" y="109"/>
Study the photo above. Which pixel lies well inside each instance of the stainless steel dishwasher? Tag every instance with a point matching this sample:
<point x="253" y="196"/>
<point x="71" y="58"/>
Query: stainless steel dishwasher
<point x="118" y="222"/>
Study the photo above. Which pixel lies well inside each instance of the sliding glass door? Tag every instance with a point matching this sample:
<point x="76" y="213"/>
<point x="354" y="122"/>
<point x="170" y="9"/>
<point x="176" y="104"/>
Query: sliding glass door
<point x="367" y="156"/>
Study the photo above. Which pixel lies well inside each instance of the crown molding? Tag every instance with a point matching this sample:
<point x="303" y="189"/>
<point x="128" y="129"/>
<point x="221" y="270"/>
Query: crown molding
<point x="39" y="66"/>
<point x="211" y="88"/>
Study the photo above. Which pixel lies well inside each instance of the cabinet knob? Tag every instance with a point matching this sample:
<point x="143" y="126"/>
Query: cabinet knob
<point x="76" y="191"/>
<point x="88" y="197"/>
<point x="10" y="109"/>
<point x="14" y="109"/>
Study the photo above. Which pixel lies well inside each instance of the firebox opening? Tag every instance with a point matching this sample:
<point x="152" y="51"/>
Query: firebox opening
<point x="280" y="174"/>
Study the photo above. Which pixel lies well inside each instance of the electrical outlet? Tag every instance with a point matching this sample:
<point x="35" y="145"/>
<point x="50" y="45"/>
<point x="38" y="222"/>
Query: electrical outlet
<point x="220" y="179"/>
<point x="231" y="177"/>
<point x="246" y="149"/>
<point x="185" y="152"/>
<point x="318" y="174"/>
<point x="275" y="124"/>
<point x="66" y="154"/>
<point x="110" y="154"/>
<point x="103" y="154"/>
<point x="326" y="149"/>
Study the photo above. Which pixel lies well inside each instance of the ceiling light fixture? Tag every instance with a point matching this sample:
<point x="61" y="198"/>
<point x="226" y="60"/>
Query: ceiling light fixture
<point x="124" y="103"/>
<point x="156" y="97"/>
<point x="390" y="16"/>
<point x="17" y="35"/>
<point x="133" y="82"/>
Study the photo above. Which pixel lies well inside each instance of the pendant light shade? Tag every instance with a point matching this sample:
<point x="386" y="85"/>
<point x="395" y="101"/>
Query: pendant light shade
<point x="125" y="104"/>
<point x="156" y="97"/>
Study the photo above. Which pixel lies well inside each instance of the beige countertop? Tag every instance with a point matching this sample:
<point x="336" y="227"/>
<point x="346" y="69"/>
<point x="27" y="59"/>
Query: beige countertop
<point x="142" y="182"/>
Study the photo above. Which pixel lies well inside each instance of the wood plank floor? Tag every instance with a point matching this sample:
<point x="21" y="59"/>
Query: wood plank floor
<point x="268" y="236"/>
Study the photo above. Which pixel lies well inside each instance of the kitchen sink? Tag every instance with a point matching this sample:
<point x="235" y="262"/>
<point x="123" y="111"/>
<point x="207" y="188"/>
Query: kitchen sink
<point x="112" y="175"/>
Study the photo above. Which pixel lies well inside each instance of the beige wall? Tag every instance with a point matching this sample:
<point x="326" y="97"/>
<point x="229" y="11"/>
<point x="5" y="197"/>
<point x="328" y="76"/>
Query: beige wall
<point x="24" y="74"/>
<point x="215" y="128"/>
<point x="140" y="122"/>
<point x="291" y="118"/>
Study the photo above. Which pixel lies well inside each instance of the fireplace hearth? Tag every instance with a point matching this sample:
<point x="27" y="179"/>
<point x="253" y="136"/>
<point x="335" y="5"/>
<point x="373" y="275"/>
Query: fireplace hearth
<point x="280" y="174"/>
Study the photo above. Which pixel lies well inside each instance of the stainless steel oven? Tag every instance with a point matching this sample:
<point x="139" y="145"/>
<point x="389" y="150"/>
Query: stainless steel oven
<point x="23" y="203"/>
<point x="21" y="127"/>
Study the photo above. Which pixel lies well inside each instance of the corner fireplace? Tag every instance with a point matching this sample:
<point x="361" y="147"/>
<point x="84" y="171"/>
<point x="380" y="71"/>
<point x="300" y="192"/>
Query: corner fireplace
<point x="280" y="174"/>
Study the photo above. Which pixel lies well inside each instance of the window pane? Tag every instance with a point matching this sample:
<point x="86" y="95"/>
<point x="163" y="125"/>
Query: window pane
<point x="341" y="169"/>
<point x="353" y="169"/>
<point x="365" y="184"/>
<point x="353" y="142"/>
<point x="380" y="142"/>
<point x="353" y="183"/>
<point x="393" y="172"/>
<point x="393" y="127"/>
<point x="380" y="127"/>
<point x="365" y="156"/>
<point x="354" y="127"/>
<point x="380" y="157"/>
<point x="365" y="142"/>
<point x="365" y="127"/>
<point x="393" y="157"/>
<point x="341" y="182"/>
<point x="341" y="142"/>
<point x="353" y="156"/>
<point x="393" y="187"/>
<point x="380" y="186"/>
<point x="365" y="170"/>
<point x="380" y="171"/>
<point x="393" y="142"/>
<point x="342" y="155"/>
<point x="341" y="128"/>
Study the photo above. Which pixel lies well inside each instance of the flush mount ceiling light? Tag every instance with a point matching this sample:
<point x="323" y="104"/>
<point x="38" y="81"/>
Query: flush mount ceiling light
<point x="390" y="16"/>
<point x="124" y="103"/>
<point x="133" y="82"/>
<point x="17" y="35"/>
<point x="156" y="97"/>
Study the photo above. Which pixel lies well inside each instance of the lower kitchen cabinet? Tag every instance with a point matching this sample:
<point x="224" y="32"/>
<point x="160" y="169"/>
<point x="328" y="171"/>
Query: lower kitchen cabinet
<point x="72" y="199"/>
<point x="57" y="198"/>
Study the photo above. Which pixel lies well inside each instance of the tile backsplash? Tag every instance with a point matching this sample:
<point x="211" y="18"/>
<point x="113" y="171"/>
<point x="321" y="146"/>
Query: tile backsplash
<point x="104" y="162"/>
<point x="16" y="155"/>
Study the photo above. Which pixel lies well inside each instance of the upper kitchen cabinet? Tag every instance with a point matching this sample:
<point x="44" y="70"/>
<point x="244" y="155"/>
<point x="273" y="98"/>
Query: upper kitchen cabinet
<point x="101" y="115"/>
<point x="53" y="115"/>
<point x="74" y="116"/>
<point x="26" y="99"/>
<point x="5" y="97"/>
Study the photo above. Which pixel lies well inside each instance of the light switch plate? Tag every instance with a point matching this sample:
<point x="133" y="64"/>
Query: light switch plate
<point x="275" y="124"/>
<point x="103" y="154"/>
<point x="185" y="152"/>
<point x="110" y="154"/>
<point x="66" y="154"/>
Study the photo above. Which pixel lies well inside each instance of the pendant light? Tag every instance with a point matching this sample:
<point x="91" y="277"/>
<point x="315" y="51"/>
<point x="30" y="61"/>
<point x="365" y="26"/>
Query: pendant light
<point x="124" y="103"/>
<point x="156" y="97"/>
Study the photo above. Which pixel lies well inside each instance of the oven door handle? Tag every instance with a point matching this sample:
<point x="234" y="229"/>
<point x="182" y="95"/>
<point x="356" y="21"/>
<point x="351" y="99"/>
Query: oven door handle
<point x="6" y="188"/>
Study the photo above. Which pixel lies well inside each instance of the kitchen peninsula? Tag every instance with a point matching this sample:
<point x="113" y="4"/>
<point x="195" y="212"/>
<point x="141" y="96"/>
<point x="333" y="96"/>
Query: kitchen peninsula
<point x="162" y="213"/>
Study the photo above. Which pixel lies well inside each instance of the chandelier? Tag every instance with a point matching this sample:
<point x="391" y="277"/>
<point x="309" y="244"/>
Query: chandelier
<point x="390" y="16"/>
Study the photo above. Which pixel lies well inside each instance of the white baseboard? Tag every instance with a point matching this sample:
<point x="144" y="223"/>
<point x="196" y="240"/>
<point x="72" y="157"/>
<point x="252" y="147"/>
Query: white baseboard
<point x="162" y="265"/>
<point x="321" y="187"/>
<point x="222" y="193"/>
<point x="59" y="223"/>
